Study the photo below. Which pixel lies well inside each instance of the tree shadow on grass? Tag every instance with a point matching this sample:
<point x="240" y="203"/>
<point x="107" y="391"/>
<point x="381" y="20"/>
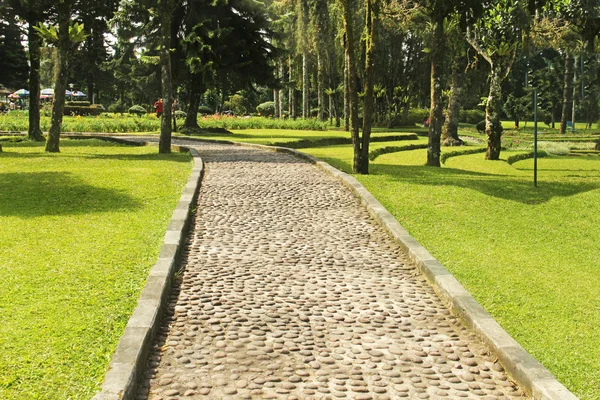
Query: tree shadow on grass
<point x="519" y="189"/>
<point x="36" y="194"/>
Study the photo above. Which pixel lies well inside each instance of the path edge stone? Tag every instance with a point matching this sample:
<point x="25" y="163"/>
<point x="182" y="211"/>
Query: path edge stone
<point x="130" y="356"/>
<point x="522" y="367"/>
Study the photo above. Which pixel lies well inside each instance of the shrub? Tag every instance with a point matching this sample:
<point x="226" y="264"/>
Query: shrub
<point x="524" y="156"/>
<point x="137" y="110"/>
<point x="180" y="114"/>
<point x="471" y="116"/>
<point x="266" y="109"/>
<point x="117" y="107"/>
<point x="77" y="103"/>
<point x="82" y="110"/>
<point x="481" y="126"/>
<point x="415" y="116"/>
<point x="205" y="110"/>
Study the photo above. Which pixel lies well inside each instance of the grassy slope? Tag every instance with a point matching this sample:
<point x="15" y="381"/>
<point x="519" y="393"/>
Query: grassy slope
<point x="79" y="231"/>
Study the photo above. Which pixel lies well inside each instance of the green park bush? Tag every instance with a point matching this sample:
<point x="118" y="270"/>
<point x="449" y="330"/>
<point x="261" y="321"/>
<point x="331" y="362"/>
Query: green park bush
<point x="205" y="110"/>
<point x="471" y="116"/>
<point x="137" y="110"/>
<point x="266" y="109"/>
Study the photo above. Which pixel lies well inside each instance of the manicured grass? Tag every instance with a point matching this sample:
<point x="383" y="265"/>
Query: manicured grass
<point x="79" y="231"/>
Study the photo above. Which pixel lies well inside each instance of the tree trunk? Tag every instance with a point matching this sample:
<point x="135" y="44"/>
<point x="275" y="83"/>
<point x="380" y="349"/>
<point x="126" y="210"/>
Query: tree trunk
<point x="61" y="69"/>
<point x="450" y="130"/>
<point x="281" y="91"/>
<point x="368" y="109"/>
<point x="305" y="85"/>
<point x="292" y="90"/>
<point x="567" y="93"/>
<point x="191" y="118"/>
<point x="346" y="92"/>
<point x="34" y="132"/>
<point x="436" y="116"/>
<point x="276" y="103"/>
<point x="321" y="85"/>
<point x="493" y="126"/>
<point x="352" y="82"/>
<point x="164" y="144"/>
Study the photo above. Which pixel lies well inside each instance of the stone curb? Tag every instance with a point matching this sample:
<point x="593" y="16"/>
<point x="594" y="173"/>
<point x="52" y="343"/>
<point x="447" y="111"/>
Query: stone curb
<point x="129" y="358"/>
<point x="526" y="371"/>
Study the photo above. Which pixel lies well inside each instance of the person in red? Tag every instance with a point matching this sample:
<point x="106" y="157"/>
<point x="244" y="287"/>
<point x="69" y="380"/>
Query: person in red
<point x="158" y="107"/>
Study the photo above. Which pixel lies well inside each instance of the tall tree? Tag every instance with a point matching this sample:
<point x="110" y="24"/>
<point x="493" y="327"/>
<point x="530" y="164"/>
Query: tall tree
<point x="437" y="13"/>
<point x="32" y="12"/>
<point x="63" y="36"/>
<point x="496" y="37"/>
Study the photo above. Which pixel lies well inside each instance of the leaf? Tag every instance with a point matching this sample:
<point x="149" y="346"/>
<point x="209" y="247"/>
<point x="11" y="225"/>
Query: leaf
<point x="48" y="33"/>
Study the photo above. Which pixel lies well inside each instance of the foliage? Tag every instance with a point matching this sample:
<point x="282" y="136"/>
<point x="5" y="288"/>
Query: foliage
<point x="524" y="156"/>
<point x="77" y="246"/>
<point x="266" y="109"/>
<point x="137" y="110"/>
<point x="205" y="110"/>
<point x="94" y="109"/>
<point x="14" y="59"/>
<point x="463" y="152"/>
<point x="415" y="116"/>
<point x="471" y="116"/>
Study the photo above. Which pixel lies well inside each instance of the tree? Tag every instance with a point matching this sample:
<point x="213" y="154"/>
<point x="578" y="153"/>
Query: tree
<point x="496" y="37"/>
<point x="14" y="60"/>
<point x="436" y="14"/>
<point x="32" y="12"/>
<point x="64" y="37"/>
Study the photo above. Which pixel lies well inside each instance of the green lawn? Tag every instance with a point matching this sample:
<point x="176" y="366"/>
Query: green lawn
<point x="79" y="231"/>
<point x="528" y="255"/>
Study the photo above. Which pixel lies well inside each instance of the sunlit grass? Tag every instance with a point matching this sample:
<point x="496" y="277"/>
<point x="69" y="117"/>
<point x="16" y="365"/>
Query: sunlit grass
<point x="79" y="231"/>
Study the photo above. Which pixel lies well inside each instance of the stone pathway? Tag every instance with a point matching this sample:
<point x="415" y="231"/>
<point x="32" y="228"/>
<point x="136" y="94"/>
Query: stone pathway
<point x="290" y="290"/>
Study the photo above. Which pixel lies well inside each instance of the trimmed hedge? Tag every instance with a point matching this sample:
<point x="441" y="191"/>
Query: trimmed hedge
<point x="524" y="156"/>
<point x="447" y="155"/>
<point x="94" y="109"/>
<point x="395" y="149"/>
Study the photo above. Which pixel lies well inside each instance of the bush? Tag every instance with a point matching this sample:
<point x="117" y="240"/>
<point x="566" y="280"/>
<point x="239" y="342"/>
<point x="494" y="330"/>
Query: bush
<point x="82" y="110"/>
<point x="117" y="107"/>
<point x="266" y="109"/>
<point x="524" y="156"/>
<point x="471" y="116"/>
<point x="205" y="110"/>
<point x="415" y="116"/>
<point x="180" y="114"/>
<point x="77" y="103"/>
<point x="137" y="110"/>
<point x="481" y="126"/>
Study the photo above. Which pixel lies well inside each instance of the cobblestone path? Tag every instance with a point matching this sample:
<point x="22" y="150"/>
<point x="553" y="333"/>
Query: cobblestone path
<point x="290" y="290"/>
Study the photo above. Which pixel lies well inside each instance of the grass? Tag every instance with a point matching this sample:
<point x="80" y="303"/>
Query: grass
<point x="79" y="231"/>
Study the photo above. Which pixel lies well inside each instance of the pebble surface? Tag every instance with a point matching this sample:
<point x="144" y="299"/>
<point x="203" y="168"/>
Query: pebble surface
<point x="290" y="290"/>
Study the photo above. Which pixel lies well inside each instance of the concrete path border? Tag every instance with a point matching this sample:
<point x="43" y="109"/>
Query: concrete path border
<point x="130" y="356"/>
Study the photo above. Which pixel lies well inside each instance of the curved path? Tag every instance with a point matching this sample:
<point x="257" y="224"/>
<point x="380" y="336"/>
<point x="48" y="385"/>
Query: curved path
<point x="290" y="290"/>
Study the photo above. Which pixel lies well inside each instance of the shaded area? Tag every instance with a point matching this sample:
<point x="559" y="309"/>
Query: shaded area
<point x="34" y="194"/>
<point x="518" y="189"/>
